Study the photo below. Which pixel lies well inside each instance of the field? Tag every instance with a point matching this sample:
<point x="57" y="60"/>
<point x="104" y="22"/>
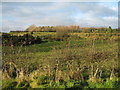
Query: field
<point x="62" y="60"/>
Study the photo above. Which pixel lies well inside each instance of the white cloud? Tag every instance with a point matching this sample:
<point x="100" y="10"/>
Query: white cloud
<point x="18" y="16"/>
<point x="60" y="0"/>
<point x="114" y="8"/>
<point x="0" y="17"/>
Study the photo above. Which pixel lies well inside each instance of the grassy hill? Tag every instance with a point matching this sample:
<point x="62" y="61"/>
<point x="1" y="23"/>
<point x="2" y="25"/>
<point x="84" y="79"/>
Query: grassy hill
<point x="62" y="60"/>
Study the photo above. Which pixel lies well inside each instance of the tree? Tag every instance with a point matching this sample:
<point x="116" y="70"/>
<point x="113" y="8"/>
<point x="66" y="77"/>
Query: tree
<point x="110" y="27"/>
<point x="31" y="28"/>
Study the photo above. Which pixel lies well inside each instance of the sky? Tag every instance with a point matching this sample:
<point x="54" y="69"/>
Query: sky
<point x="20" y="15"/>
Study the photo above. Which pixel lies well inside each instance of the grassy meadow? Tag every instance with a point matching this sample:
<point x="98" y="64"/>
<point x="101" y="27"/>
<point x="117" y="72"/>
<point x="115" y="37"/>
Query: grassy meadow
<point x="62" y="60"/>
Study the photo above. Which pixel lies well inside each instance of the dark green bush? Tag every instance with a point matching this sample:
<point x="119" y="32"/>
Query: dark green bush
<point x="27" y="39"/>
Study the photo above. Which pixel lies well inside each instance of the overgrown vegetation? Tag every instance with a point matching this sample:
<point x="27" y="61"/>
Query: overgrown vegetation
<point x="61" y="59"/>
<point x="26" y="39"/>
<point x="71" y="28"/>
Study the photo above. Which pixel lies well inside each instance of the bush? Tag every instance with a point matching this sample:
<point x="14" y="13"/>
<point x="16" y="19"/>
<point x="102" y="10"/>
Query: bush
<point x="8" y="40"/>
<point x="62" y="33"/>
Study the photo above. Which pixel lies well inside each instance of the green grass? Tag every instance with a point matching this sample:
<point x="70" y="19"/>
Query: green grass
<point x="59" y="64"/>
<point x="43" y="33"/>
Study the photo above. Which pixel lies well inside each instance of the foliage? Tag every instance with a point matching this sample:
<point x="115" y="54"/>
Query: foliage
<point x="71" y="28"/>
<point x="26" y="39"/>
<point x="8" y="84"/>
<point x="61" y="59"/>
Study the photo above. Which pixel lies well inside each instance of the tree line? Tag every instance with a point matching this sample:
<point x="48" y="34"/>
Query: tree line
<point x="71" y="28"/>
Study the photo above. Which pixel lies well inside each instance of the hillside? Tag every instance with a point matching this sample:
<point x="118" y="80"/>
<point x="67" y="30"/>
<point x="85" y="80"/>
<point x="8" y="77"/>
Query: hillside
<point x="61" y="59"/>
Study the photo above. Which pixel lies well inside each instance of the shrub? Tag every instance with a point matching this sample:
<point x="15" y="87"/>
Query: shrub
<point x="26" y="39"/>
<point x="62" y="33"/>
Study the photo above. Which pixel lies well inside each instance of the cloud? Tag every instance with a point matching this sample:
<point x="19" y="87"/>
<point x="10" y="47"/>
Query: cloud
<point x="60" y="0"/>
<point x="97" y="14"/>
<point x="0" y="17"/>
<point x="99" y="22"/>
<point x="97" y="9"/>
<point x="18" y="16"/>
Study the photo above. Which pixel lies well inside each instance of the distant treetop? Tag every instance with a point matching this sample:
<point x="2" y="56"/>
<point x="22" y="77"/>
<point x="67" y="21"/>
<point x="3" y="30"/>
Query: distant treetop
<point x="31" y="28"/>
